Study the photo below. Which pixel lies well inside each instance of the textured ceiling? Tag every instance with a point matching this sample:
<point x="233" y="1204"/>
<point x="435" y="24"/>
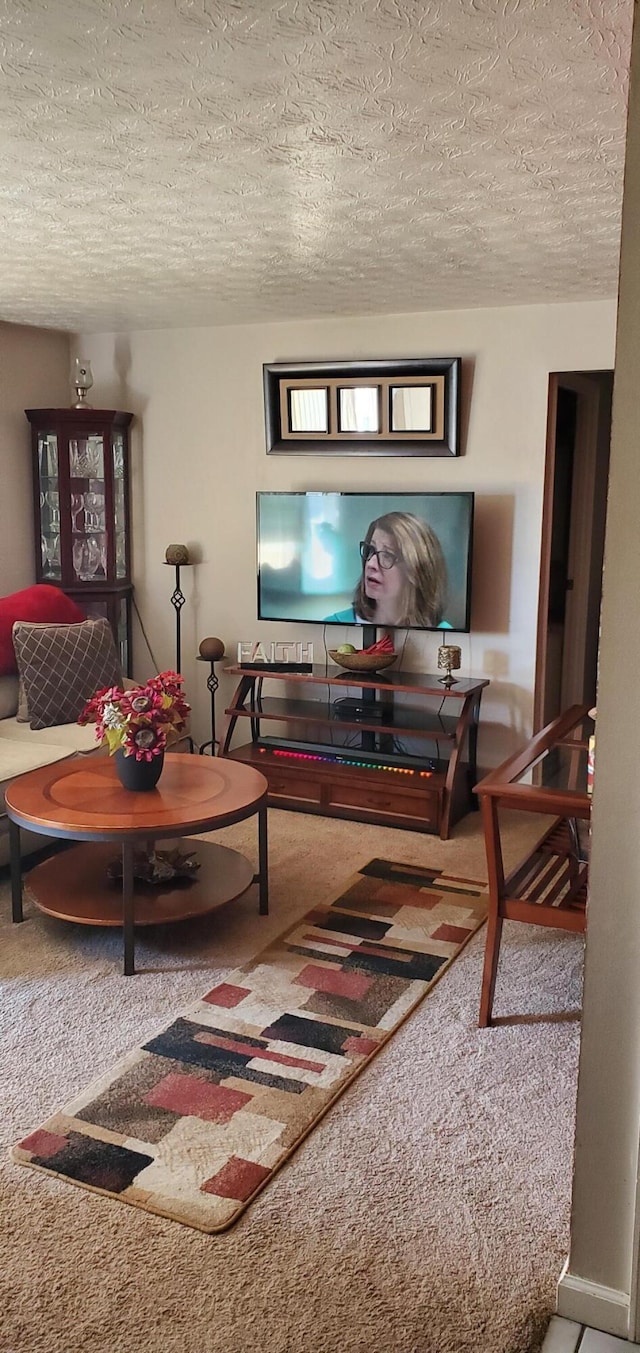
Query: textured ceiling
<point x="184" y="162"/>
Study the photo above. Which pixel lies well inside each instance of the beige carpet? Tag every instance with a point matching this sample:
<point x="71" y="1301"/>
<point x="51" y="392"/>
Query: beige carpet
<point x="425" y="1214"/>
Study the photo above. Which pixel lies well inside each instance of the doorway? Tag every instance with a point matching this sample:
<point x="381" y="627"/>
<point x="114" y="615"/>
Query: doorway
<point x="572" y="545"/>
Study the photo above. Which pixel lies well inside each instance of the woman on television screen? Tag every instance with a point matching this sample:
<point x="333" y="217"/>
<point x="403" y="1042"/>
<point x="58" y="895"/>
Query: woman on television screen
<point x="404" y="576"/>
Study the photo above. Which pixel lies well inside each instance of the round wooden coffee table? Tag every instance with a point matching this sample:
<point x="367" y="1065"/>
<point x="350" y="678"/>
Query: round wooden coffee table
<point x="83" y="800"/>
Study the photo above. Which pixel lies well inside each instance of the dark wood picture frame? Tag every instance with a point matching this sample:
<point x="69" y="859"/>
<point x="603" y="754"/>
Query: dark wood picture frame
<point x="440" y="376"/>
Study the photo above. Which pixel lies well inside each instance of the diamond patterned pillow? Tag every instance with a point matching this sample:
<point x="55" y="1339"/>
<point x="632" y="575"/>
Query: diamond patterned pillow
<point x="22" y="714"/>
<point x="62" y="666"/>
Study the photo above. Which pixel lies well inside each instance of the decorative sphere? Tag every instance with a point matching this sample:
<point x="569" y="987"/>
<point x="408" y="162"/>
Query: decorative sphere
<point x="213" y="649"/>
<point x="176" y="554"/>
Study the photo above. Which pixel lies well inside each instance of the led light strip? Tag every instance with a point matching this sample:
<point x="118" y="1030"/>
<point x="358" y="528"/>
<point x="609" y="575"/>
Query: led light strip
<point x="346" y="761"/>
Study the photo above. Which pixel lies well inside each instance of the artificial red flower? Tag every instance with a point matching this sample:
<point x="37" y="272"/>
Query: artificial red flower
<point x="140" y="720"/>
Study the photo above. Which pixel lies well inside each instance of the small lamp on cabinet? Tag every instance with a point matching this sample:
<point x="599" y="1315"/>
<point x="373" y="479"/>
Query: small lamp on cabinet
<point x="82" y="378"/>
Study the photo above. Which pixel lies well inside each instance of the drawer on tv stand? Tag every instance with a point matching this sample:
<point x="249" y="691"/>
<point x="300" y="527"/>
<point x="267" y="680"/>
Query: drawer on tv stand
<point x="389" y="800"/>
<point x="293" y="783"/>
<point x="339" y="790"/>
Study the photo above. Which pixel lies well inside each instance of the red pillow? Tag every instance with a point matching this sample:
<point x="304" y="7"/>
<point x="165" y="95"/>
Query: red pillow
<point x="40" y="602"/>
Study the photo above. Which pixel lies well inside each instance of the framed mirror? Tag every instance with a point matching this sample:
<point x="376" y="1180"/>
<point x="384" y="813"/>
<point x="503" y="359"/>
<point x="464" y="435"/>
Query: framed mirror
<point x="411" y="408"/>
<point x="358" y="408"/>
<point x="309" y="410"/>
<point x="374" y="408"/>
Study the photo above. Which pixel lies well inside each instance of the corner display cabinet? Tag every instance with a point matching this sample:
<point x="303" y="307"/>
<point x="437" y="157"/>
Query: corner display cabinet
<point x="81" y="510"/>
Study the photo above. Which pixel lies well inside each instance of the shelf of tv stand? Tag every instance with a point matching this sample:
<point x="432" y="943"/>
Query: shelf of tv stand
<point x="403" y="722"/>
<point x="310" y="771"/>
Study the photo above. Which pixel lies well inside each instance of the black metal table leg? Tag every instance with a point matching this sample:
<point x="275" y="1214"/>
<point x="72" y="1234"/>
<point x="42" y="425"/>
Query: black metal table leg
<point x="16" y="873"/>
<point x="127" y="908"/>
<point x="264" y="861"/>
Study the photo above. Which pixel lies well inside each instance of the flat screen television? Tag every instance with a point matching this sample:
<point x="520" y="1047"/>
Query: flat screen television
<point x="397" y="560"/>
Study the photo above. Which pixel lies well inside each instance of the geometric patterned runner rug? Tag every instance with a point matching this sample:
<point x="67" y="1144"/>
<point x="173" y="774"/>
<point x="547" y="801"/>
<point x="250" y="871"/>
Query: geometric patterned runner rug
<point x="196" y="1121"/>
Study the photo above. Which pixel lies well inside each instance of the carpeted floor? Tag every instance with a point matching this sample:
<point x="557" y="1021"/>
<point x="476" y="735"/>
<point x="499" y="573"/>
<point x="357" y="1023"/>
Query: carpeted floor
<point x="196" y="1120"/>
<point x="427" y="1212"/>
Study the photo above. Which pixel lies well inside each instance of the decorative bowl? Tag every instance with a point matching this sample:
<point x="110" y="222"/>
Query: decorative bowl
<point x="362" y="662"/>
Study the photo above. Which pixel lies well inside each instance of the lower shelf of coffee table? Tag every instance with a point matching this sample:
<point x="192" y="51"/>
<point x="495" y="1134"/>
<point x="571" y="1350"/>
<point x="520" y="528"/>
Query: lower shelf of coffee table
<point x="73" y="886"/>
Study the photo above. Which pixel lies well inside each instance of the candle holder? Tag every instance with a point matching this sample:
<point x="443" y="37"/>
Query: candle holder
<point x="177" y="556"/>
<point x="449" y="660"/>
<point x="211" y="650"/>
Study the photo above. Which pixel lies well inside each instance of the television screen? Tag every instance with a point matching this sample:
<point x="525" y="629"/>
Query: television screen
<point x="389" y="559"/>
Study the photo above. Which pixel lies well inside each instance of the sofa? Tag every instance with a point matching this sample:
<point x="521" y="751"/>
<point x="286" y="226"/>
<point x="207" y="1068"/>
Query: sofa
<point x="51" y="660"/>
<point x="23" y="748"/>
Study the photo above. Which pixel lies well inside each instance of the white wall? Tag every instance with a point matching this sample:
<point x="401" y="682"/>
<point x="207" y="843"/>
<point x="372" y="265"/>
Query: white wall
<point x="605" y="1224"/>
<point x="199" y="456"/>
<point x="34" y="374"/>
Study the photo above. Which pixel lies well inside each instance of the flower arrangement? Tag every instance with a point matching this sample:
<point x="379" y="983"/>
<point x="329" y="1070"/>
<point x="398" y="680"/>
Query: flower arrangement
<point x="141" y="719"/>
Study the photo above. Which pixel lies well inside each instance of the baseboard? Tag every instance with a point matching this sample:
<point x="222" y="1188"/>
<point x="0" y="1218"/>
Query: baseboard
<point x="601" y="1308"/>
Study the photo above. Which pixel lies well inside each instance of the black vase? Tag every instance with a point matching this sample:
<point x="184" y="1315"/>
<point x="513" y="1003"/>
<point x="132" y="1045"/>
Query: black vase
<point x="138" y="776"/>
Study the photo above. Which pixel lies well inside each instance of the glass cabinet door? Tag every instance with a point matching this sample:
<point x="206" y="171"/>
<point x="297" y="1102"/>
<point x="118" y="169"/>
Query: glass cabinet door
<point x="49" y="507"/>
<point x="81" y="510"/>
<point x="87" y="508"/>
<point x="119" y="505"/>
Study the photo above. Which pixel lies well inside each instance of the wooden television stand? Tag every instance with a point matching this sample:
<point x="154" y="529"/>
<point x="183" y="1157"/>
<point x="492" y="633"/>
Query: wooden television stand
<point x="393" y="748"/>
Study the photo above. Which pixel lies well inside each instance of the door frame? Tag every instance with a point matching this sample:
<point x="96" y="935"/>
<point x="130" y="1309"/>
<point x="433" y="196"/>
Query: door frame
<point x="583" y="501"/>
<point x="545" y="555"/>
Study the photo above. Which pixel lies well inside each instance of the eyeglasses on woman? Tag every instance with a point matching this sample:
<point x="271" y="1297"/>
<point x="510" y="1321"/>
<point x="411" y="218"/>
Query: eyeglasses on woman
<point x="386" y="558"/>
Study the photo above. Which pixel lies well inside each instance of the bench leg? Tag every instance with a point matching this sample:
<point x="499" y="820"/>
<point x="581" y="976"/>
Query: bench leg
<point x="490" y="970"/>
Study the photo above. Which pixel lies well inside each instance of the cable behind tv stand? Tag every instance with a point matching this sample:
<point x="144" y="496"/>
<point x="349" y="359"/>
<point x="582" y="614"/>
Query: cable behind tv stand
<point x="403" y="755"/>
